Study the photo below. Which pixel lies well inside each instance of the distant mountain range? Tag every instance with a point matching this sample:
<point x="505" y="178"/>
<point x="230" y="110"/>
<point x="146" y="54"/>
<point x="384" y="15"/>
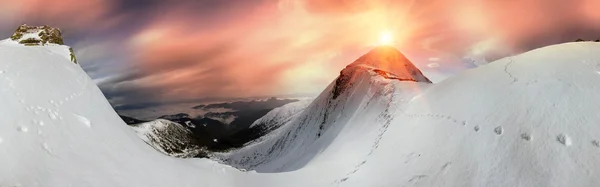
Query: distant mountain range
<point x="221" y="129"/>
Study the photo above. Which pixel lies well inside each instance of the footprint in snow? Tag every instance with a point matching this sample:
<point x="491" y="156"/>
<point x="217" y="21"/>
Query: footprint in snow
<point x="526" y="136"/>
<point x="22" y="129"/>
<point x="596" y="143"/>
<point x="564" y="139"/>
<point x="52" y="115"/>
<point x="85" y="121"/>
<point x="445" y="167"/>
<point x="476" y="128"/>
<point x="46" y="148"/>
<point x="498" y="130"/>
<point x="417" y="177"/>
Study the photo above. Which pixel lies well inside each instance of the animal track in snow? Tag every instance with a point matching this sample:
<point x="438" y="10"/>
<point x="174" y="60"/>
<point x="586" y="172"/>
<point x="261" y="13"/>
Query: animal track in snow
<point x="411" y="156"/>
<point x="445" y="167"/>
<point x="417" y="177"/>
<point x="564" y="139"/>
<point x="46" y="148"/>
<point x="498" y="130"/>
<point x="51" y="115"/>
<point x="596" y="143"/>
<point x="526" y="136"/>
<point x="476" y="128"/>
<point x="22" y="129"/>
<point x="83" y="120"/>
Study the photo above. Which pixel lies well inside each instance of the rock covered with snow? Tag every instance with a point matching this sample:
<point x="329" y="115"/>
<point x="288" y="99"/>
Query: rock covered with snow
<point x="39" y="36"/>
<point x="170" y="138"/>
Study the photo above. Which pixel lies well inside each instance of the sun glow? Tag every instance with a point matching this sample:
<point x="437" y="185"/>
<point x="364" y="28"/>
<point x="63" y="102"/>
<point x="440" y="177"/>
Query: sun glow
<point x="385" y="38"/>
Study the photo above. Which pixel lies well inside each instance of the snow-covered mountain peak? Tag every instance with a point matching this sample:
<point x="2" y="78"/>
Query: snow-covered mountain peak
<point x="381" y="61"/>
<point x="387" y="61"/>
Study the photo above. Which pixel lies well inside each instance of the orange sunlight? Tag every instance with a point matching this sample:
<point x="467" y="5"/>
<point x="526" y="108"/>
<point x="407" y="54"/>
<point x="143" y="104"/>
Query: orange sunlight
<point x="385" y="38"/>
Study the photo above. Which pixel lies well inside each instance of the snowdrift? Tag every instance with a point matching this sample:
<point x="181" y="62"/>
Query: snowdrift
<point x="528" y="120"/>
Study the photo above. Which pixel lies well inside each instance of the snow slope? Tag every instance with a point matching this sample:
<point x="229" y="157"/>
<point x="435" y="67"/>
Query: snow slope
<point x="528" y="120"/>
<point x="281" y="115"/>
<point x="57" y="129"/>
<point x="169" y="138"/>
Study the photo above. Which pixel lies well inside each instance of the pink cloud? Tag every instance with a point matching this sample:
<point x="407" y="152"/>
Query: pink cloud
<point x="69" y="14"/>
<point x="267" y="48"/>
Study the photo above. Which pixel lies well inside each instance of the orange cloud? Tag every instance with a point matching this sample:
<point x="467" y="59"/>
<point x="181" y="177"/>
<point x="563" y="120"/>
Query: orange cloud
<point x="69" y="14"/>
<point x="184" y="50"/>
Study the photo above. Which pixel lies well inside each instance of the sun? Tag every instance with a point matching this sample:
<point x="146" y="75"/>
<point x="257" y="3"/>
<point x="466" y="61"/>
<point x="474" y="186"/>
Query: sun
<point x="385" y="38"/>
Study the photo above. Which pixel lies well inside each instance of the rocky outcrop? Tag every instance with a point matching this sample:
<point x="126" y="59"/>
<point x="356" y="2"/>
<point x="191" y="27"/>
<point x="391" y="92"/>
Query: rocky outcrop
<point x="40" y="36"/>
<point x="37" y="35"/>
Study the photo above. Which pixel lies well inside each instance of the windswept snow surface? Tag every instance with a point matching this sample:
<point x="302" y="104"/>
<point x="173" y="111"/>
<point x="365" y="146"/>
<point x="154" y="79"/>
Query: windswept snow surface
<point x="529" y="120"/>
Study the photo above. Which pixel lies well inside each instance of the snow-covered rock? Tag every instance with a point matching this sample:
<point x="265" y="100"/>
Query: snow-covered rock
<point x="170" y="138"/>
<point x="39" y="36"/>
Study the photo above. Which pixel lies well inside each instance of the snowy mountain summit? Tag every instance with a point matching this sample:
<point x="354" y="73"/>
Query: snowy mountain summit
<point x="390" y="62"/>
<point x="385" y="61"/>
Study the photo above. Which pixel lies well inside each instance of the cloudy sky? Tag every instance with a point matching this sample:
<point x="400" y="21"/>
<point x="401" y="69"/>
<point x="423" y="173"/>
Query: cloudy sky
<point x="158" y="52"/>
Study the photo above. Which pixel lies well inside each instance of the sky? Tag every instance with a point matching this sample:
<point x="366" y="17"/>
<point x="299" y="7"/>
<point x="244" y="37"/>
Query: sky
<point x="145" y="53"/>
